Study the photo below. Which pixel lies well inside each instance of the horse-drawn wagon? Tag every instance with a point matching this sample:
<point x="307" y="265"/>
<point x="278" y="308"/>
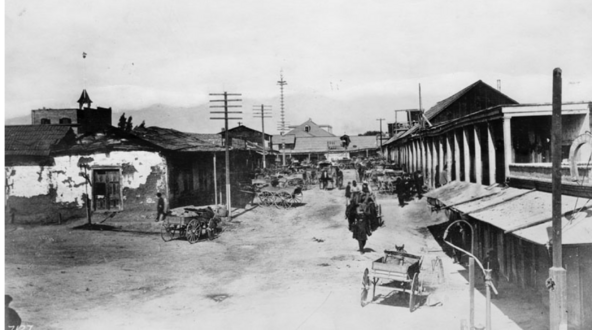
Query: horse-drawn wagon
<point x="327" y="172"/>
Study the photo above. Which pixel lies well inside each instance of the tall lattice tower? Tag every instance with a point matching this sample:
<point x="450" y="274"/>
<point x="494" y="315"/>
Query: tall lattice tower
<point x="282" y="125"/>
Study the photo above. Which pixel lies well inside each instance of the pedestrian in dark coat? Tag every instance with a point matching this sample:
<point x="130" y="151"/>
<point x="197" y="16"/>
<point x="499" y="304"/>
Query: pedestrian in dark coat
<point x="160" y="208"/>
<point x="419" y="183"/>
<point x="347" y="193"/>
<point x="360" y="233"/>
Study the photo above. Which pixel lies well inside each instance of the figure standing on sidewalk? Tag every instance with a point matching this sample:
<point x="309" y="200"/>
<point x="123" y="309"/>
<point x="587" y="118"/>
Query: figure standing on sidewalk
<point x="160" y="208"/>
<point x="491" y="262"/>
<point x="418" y="183"/>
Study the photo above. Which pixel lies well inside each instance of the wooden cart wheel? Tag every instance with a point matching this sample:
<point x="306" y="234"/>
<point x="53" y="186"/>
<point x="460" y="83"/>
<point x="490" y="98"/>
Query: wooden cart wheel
<point x="365" y="287"/>
<point x="167" y="231"/>
<point x="265" y="198"/>
<point x="413" y="292"/>
<point x="193" y="231"/>
<point x="297" y="199"/>
<point x="286" y="199"/>
<point x="277" y="200"/>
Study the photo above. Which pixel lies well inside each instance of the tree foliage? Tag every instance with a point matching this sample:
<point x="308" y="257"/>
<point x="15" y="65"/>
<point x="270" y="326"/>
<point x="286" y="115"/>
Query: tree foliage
<point x="129" y="126"/>
<point x="370" y="133"/>
<point x="122" y="122"/>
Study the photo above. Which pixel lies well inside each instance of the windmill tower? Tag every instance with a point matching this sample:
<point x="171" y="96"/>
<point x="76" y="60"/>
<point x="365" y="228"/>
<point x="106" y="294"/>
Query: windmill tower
<point x="282" y="124"/>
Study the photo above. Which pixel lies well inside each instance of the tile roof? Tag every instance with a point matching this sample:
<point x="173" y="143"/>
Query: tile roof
<point x="315" y="130"/>
<point x="174" y="140"/>
<point x="108" y="139"/>
<point x="333" y="143"/>
<point x="34" y="140"/>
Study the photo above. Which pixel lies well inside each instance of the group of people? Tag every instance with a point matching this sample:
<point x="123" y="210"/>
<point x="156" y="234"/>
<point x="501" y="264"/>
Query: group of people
<point x="407" y="185"/>
<point x="360" y="212"/>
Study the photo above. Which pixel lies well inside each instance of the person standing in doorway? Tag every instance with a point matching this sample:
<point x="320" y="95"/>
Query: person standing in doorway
<point x="491" y="262"/>
<point x="418" y="184"/>
<point x="160" y="209"/>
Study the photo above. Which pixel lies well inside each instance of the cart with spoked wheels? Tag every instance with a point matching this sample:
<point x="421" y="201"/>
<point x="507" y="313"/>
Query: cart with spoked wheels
<point x="192" y="223"/>
<point x="280" y="197"/>
<point x="397" y="271"/>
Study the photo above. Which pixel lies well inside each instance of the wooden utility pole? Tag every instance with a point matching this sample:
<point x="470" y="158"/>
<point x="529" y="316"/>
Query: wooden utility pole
<point x="557" y="282"/>
<point x="380" y="120"/>
<point x="226" y="119"/>
<point x="264" y="112"/>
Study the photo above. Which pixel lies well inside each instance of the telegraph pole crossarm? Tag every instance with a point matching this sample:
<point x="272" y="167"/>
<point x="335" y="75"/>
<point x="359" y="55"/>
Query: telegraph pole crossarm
<point x="227" y="140"/>
<point x="262" y="112"/>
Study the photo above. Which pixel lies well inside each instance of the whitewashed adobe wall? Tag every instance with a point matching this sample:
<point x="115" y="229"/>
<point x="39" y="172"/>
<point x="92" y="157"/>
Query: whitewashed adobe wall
<point x="31" y="188"/>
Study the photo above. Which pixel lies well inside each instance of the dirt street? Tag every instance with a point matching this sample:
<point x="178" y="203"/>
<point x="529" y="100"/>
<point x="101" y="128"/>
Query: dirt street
<point x="269" y="269"/>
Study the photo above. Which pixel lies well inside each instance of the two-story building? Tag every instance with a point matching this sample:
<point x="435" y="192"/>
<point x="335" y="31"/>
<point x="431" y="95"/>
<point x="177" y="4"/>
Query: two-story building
<point x="497" y="153"/>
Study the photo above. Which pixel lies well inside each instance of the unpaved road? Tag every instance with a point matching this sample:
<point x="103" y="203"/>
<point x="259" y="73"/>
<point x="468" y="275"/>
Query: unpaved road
<point x="269" y="269"/>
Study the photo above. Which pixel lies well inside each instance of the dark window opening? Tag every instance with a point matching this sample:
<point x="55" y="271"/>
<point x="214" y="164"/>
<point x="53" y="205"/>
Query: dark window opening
<point x="45" y="121"/>
<point x="65" y="121"/>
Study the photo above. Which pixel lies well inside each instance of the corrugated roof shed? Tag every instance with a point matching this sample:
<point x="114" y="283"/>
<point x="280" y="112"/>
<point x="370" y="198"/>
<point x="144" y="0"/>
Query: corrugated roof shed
<point x="34" y="140"/>
<point x="510" y="209"/>
<point x="171" y="139"/>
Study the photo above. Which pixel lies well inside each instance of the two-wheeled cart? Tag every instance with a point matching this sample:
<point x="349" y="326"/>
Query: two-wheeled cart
<point x="396" y="270"/>
<point x="192" y="222"/>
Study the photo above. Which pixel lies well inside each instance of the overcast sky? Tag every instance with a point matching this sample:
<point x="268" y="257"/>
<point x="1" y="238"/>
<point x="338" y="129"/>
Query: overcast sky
<point x="176" y="52"/>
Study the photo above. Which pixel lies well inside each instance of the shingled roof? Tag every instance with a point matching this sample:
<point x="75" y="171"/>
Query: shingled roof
<point x="287" y="139"/>
<point x="174" y="140"/>
<point x="442" y="105"/>
<point x="314" y="130"/>
<point x="34" y="140"/>
<point x="244" y="128"/>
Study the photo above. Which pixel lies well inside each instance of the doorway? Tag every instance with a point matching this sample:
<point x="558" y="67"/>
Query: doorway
<point x="106" y="189"/>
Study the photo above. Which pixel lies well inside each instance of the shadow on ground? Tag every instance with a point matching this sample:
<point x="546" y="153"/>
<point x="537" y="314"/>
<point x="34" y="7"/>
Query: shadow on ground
<point x="515" y="302"/>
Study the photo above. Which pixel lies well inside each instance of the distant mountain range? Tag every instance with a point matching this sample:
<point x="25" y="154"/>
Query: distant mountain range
<point x="353" y="116"/>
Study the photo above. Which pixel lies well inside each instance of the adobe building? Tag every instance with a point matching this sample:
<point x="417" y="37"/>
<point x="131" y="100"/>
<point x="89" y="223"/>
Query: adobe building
<point x="82" y="120"/>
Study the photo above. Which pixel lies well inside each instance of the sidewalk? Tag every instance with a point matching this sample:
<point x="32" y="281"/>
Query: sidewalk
<point x="448" y="298"/>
